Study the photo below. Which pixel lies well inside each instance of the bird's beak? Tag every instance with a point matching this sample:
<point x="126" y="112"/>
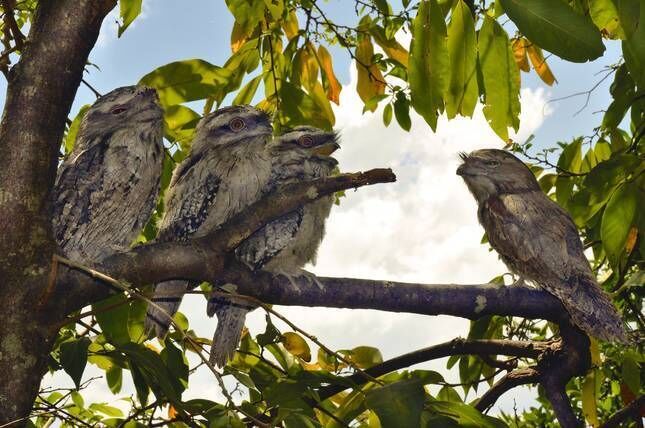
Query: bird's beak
<point x="327" y="149"/>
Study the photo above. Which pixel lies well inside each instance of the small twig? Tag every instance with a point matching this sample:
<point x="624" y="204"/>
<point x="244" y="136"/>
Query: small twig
<point x="91" y="88"/>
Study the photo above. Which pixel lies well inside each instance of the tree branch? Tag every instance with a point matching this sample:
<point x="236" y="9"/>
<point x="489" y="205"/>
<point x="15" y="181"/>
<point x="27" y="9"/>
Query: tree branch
<point x="453" y="347"/>
<point x="513" y="379"/>
<point x="633" y="410"/>
<point x="205" y="258"/>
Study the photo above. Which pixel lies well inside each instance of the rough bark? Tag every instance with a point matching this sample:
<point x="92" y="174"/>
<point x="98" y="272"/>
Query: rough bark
<point x="41" y="89"/>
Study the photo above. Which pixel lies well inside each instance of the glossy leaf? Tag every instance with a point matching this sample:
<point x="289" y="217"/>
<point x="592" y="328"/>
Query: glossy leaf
<point x="392" y="48"/>
<point x="112" y="315"/>
<point x="387" y="115"/>
<point x="462" y="45"/>
<point x="465" y="415"/>
<point x="402" y="111"/>
<point x="246" y="94"/>
<point x="556" y="27"/>
<point x="634" y="51"/>
<point x="366" y="356"/>
<point x="429" y="62"/>
<point x="180" y="122"/>
<point x="501" y="78"/>
<point x="248" y="13"/>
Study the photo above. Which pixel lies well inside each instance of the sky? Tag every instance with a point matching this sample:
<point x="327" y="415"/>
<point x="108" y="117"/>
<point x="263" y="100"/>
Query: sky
<point x="423" y="228"/>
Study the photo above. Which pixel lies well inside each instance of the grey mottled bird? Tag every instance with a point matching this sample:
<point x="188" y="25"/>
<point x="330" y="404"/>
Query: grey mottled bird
<point x="106" y="189"/>
<point x="537" y="239"/>
<point x="228" y="169"/>
<point x="285" y="245"/>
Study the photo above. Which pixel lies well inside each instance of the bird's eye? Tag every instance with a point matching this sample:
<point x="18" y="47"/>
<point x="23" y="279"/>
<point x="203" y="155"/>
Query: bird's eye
<point x="118" y="110"/>
<point x="306" y="141"/>
<point x="491" y="163"/>
<point x="237" y="124"/>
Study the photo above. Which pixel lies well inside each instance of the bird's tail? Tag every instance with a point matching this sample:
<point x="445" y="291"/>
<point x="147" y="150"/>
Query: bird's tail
<point x="168" y="297"/>
<point x="592" y="311"/>
<point x="231" y="316"/>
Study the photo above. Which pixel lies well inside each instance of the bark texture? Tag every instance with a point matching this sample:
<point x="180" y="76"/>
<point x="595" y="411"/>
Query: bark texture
<point x="41" y="89"/>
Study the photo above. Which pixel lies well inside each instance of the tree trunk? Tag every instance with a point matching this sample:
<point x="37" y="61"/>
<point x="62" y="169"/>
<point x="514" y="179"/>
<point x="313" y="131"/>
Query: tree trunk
<point x="41" y="89"/>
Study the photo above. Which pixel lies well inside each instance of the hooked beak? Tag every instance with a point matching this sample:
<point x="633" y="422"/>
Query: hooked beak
<point x="327" y="149"/>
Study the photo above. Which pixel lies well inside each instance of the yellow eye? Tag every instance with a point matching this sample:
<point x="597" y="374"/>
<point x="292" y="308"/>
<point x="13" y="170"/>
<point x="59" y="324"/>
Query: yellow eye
<point x="237" y="124"/>
<point x="306" y="141"/>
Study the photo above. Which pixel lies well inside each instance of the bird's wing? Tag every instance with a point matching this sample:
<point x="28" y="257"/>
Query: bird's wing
<point x="269" y="241"/>
<point x="538" y="240"/>
<point x="192" y="193"/>
<point x="103" y="198"/>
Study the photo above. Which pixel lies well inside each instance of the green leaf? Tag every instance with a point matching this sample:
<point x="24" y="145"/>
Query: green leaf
<point x="570" y="160"/>
<point x="631" y="372"/>
<point x="620" y="214"/>
<point x="136" y="319"/>
<point x="176" y="362"/>
<point x="246" y="94"/>
<point x="634" y="51"/>
<point x="402" y="111"/>
<point x="189" y="80"/>
<point x="398" y="404"/>
<point x="387" y="115"/>
<point x="623" y="92"/>
<point x="556" y="27"/>
<point x="465" y="415"/>
<point x="296" y="345"/>
<point x="501" y="78"/>
<point x="70" y="137"/>
<point x="128" y="10"/>
<point x="429" y="63"/>
<point x="112" y="316"/>
<point x="462" y="46"/>
<point x="114" y="378"/>
<point x="605" y="15"/>
<point x="73" y="358"/>
<point x="78" y="399"/>
<point x="153" y="372"/>
<point x="248" y="13"/>
<point x="107" y="410"/>
<point x="180" y="122"/>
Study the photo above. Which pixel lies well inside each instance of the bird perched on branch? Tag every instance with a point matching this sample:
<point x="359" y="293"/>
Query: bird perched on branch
<point x="228" y="169"/>
<point x="537" y="239"/>
<point x="106" y="188"/>
<point x="285" y="245"/>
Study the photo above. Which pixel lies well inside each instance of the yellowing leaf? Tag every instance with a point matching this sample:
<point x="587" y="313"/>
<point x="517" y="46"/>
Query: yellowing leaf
<point x="239" y="36"/>
<point x="296" y="345"/>
<point x="462" y="45"/>
<point x="620" y="213"/>
<point x="332" y="84"/>
<point x="501" y="78"/>
<point x="310" y="67"/>
<point x="366" y="356"/>
<point x="275" y="7"/>
<point x="128" y="10"/>
<point x="370" y="79"/>
<point x="391" y="47"/>
<point x="519" y="53"/>
<point x="152" y="347"/>
<point x="539" y="64"/>
<point x="631" y="239"/>
<point x="429" y="62"/>
<point x="589" y="398"/>
<point x="320" y="98"/>
<point x="290" y="25"/>
<point x="605" y="15"/>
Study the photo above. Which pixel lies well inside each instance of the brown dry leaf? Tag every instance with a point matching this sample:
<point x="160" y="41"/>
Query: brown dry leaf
<point x="519" y="53"/>
<point x="370" y="79"/>
<point x="539" y="64"/>
<point x="334" y="87"/>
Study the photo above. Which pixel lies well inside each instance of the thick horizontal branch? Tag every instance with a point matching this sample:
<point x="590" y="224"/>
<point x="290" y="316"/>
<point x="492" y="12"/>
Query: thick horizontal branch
<point x="203" y="259"/>
<point x="454" y="347"/>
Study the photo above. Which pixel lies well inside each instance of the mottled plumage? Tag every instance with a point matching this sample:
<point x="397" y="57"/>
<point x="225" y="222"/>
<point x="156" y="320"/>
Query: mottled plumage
<point x="285" y="245"/>
<point x="537" y="239"/>
<point x="228" y="169"/>
<point x="106" y="188"/>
